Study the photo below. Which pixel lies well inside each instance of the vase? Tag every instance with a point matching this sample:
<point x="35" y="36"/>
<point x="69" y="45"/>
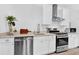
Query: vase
<point x="10" y="29"/>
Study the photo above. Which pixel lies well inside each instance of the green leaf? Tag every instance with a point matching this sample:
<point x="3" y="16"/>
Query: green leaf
<point x="10" y="18"/>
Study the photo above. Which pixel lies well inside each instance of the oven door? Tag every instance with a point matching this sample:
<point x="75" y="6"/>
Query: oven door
<point x="61" y="41"/>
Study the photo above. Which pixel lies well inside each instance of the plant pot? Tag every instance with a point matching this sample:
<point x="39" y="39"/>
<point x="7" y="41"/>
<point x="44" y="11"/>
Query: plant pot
<point x="10" y="29"/>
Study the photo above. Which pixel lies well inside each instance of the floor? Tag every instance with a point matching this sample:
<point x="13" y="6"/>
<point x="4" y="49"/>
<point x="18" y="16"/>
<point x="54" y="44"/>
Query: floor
<point x="74" y="51"/>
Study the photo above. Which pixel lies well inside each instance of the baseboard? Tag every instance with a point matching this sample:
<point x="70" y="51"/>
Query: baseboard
<point x="50" y="53"/>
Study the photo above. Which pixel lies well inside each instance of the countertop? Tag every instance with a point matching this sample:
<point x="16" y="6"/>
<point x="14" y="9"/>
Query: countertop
<point x="73" y="33"/>
<point x="6" y="34"/>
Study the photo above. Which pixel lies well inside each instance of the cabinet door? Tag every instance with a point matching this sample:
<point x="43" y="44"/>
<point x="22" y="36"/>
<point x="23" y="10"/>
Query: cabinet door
<point x="78" y="40"/>
<point x="73" y="41"/>
<point x="40" y="45"/>
<point x="6" y="46"/>
<point x="10" y="46"/>
<point x="52" y="44"/>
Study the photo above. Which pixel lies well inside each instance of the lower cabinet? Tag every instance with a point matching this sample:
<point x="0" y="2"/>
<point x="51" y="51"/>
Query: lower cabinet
<point x="39" y="45"/>
<point x="52" y="44"/>
<point x="43" y="45"/>
<point x="73" y="40"/>
<point x="6" y="46"/>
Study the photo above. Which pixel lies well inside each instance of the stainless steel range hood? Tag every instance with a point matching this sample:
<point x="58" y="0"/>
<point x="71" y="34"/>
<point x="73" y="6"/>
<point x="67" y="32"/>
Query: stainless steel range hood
<point x="54" y="14"/>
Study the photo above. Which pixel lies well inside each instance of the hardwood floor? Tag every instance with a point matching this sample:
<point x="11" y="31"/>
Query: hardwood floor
<point x="74" y="51"/>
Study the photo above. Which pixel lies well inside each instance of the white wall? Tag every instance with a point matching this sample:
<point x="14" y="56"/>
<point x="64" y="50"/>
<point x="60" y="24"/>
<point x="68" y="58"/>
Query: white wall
<point x="65" y="14"/>
<point x="73" y="14"/>
<point x="28" y="15"/>
<point x="61" y="12"/>
<point x="4" y="11"/>
<point x="47" y="13"/>
<point x="75" y="19"/>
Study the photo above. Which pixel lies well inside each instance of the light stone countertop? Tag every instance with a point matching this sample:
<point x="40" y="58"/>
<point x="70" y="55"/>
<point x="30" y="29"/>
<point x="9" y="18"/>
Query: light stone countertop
<point x="5" y="35"/>
<point x="73" y="33"/>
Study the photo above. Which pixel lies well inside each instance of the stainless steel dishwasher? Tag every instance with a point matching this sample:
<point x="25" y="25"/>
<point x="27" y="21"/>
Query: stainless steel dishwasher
<point x="23" y="45"/>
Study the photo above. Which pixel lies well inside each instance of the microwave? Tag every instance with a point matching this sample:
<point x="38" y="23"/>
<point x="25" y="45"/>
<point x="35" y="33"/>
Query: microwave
<point x="70" y="30"/>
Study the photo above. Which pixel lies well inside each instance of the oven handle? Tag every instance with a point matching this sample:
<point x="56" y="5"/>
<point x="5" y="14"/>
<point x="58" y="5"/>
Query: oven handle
<point x="62" y="37"/>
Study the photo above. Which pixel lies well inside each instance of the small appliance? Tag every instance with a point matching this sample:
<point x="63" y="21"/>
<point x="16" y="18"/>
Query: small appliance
<point x="72" y="30"/>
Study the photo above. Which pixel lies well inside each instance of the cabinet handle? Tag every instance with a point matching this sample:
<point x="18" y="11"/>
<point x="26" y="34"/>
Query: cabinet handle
<point x="7" y="40"/>
<point x="12" y="44"/>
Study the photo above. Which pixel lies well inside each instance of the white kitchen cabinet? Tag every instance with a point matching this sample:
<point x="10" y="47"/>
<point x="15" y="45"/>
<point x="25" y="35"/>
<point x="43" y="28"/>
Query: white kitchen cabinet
<point x="43" y="45"/>
<point x="6" y="46"/>
<point x="40" y="45"/>
<point x="52" y="44"/>
<point x="73" y="40"/>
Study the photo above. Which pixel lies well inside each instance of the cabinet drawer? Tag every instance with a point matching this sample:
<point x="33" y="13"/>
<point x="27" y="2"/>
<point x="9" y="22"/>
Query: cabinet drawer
<point x="11" y="40"/>
<point x="41" y="45"/>
<point x="4" y="40"/>
<point x="7" y="40"/>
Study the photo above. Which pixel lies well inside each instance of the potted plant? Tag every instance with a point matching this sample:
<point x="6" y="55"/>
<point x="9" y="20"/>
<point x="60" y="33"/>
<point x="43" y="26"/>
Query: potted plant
<point x="11" y="22"/>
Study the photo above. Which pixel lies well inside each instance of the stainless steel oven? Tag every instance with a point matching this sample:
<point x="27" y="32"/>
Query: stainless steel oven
<point x="61" y="42"/>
